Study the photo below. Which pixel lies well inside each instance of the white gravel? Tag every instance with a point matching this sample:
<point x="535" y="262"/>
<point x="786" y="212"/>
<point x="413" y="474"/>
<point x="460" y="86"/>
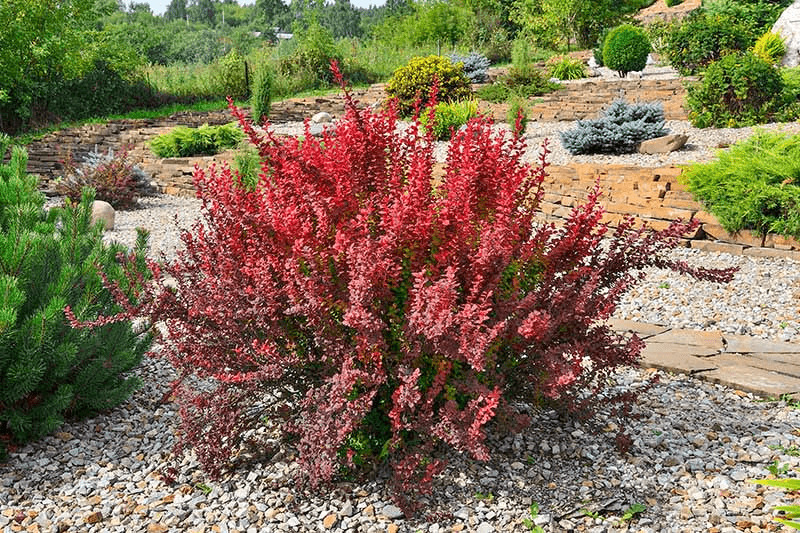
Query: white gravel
<point x="695" y="444"/>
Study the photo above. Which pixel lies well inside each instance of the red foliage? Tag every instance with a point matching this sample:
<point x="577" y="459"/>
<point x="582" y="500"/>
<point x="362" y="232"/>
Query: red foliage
<point x="112" y="179"/>
<point x="373" y="315"/>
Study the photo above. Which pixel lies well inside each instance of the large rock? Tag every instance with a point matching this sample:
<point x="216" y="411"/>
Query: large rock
<point x="103" y="211"/>
<point x="663" y="145"/>
<point x="788" y="25"/>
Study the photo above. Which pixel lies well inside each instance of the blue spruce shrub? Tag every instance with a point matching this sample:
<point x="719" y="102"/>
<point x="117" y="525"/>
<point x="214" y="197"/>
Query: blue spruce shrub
<point x="618" y="131"/>
<point x="475" y="66"/>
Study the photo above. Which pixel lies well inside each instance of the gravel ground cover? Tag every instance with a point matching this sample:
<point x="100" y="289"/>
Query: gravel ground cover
<point x="695" y="444"/>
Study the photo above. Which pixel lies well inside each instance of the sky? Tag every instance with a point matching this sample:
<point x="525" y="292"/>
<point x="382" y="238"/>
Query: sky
<point x="159" y="6"/>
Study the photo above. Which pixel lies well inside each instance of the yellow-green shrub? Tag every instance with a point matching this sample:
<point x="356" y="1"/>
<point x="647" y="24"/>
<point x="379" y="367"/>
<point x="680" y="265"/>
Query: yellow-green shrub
<point x="449" y="116"/>
<point x="415" y="80"/>
<point x="770" y="47"/>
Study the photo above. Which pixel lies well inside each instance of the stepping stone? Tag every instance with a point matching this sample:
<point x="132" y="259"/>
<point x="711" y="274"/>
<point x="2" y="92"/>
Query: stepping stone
<point x="791" y="369"/>
<point x="678" y="358"/>
<point x="710" y="340"/>
<point x="640" y="328"/>
<point x="745" y="344"/>
<point x="754" y="380"/>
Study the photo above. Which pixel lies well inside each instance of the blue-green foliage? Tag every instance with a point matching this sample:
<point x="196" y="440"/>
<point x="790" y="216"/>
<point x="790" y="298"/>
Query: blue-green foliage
<point x="476" y="66"/>
<point x="619" y="130"/>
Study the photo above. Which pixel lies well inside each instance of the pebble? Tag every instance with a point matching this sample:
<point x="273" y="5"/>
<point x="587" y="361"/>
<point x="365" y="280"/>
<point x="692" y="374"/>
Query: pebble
<point x="696" y="444"/>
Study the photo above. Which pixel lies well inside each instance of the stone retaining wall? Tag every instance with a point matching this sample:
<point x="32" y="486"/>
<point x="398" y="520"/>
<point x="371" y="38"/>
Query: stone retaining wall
<point x="587" y="99"/>
<point x="654" y="196"/>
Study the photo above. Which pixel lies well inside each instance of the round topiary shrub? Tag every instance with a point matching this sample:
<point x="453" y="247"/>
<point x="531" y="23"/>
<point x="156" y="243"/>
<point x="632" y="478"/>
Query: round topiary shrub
<point x="625" y="49"/>
<point x="414" y="82"/>
<point x="740" y="89"/>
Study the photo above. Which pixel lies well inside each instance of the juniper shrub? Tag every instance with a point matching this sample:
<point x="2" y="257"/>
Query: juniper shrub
<point x="371" y="315"/>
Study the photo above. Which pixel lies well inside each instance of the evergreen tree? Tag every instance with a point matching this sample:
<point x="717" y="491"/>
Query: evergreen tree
<point x="176" y="10"/>
<point x="48" y="261"/>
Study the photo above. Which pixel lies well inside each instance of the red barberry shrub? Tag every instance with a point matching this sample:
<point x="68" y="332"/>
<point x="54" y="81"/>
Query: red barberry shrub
<point x="372" y="315"/>
<point x="113" y="177"/>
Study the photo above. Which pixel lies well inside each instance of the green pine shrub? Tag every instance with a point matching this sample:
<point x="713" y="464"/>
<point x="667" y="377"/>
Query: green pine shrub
<point x="261" y="93"/>
<point x="517" y="111"/>
<point x="496" y="92"/>
<point x="625" y="49"/>
<point x="449" y="117"/>
<point x="204" y="140"/>
<point x="619" y="130"/>
<point x="738" y="90"/>
<point x="754" y="185"/>
<point x="49" y="260"/>
<point x="702" y="39"/>
<point x="566" y="68"/>
<point x="413" y="82"/>
<point x="527" y="80"/>
<point x="770" y="47"/>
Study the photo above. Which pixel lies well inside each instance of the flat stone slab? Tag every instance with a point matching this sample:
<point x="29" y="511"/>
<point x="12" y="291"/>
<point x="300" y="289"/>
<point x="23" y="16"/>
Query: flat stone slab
<point x="711" y="340"/>
<point x="736" y="360"/>
<point x="640" y="328"/>
<point x="745" y="344"/>
<point x="754" y="380"/>
<point x="677" y="358"/>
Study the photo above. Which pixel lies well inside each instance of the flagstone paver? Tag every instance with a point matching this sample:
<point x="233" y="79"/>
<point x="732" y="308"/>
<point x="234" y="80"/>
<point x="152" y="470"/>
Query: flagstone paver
<point x="763" y="367"/>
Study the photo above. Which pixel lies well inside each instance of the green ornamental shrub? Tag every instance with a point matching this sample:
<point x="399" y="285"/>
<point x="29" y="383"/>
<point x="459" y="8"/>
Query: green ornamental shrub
<point x="413" y="83"/>
<point x="49" y="260"/>
<point x="753" y="185"/>
<point x="228" y="74"/>
<point x="312" y="57"/>
<point x="738" y="90"/>
<point x="770" y="47"/>
<point x="625" y="49"/>
<point x="619" y="130"/>
<point x="261" y="98"/>
<point x="205" y="140"/>
<point x="702" y="39"/>
<point x="449" y="117"/>
<point x="566" y="68"/>
<point x="517" y="111"/>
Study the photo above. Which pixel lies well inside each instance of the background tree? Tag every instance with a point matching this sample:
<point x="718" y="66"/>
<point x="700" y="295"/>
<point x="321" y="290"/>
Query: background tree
<point x="176" y="10"/>
<point x="203" y="11"/>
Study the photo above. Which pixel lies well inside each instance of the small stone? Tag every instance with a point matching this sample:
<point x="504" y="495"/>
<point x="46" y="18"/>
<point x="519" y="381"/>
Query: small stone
<point x="93" y="518"/>
<point x="156" y="528"/>
<point x="329" y="521"/>
<point x="485" y="527"/>
<point x="392" y="528"/>
<point x="102" y="211"/>
<point x="321" y="118"/>
<point x="663" y="145"/>
<point x="392" y="512"/>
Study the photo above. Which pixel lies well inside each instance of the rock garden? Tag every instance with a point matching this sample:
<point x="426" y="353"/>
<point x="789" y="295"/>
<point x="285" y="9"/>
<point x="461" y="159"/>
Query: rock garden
<point x="349" y="318"/>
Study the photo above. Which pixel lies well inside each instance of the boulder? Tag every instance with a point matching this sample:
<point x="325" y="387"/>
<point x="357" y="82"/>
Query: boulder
<point x="663" y="145"/>
<point x="322" y="118"/>
<point x="788" y="26"/>
<point x="103" y="211"/>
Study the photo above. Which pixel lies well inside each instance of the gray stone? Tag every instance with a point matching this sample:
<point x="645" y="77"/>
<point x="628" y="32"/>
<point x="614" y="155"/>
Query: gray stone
<point x="788" y="26"/>
<point x="103" y="211"/>
<point x="663" y="145"/>
<point x="322" y="118"/>
<point x="392" y="512"/>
